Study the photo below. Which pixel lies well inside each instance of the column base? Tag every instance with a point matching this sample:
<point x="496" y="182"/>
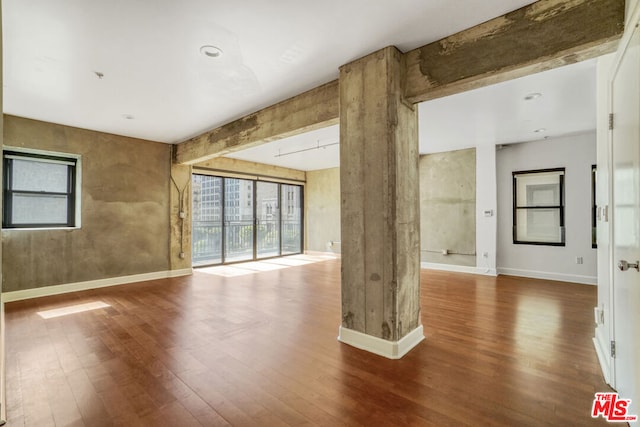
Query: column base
<point x="384" y="348"/>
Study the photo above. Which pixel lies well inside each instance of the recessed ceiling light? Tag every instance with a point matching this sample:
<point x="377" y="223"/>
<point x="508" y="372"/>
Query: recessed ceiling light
<point x="211" y="51"/>
<point x="540" y="130"/>
<point x="532" y="96"/>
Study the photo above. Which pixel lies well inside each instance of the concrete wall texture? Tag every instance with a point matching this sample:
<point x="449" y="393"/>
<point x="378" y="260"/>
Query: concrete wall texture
<point x="576" y="154"/>
<point x="322" y="206"/>
<point x="448" y="207"/>
<point x="125" y="210"/>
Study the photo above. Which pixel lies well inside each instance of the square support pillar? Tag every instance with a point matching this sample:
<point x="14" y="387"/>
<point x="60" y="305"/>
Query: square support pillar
<point x="380" y="207"/>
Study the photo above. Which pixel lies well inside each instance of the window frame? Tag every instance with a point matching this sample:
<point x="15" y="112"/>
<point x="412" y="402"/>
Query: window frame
<point x="561" y="207"/>
<point x="73" y="193"/>
<point x="231" y="205"/>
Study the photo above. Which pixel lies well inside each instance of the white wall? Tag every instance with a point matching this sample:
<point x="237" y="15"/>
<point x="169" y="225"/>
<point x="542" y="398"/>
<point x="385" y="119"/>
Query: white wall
<point x="486" y="200"/>
<point x="576" y="154"/>
<point x="603" y="328"/>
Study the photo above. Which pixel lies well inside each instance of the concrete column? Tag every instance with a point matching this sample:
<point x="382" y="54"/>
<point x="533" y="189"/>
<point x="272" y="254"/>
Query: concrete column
<point x="380" y="207"/>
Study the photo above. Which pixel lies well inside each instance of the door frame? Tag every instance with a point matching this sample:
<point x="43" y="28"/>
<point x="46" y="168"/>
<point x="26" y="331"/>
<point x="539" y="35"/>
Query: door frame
<point x="632" y="25"/>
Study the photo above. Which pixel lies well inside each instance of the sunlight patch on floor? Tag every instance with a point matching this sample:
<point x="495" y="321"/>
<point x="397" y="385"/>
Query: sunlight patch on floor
<point x="72" y="309"/>
<point x="272" y="264"/>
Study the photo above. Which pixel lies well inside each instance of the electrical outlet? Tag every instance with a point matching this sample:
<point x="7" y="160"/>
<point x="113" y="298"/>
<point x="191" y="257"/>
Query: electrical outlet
<point x="579" y="260"/>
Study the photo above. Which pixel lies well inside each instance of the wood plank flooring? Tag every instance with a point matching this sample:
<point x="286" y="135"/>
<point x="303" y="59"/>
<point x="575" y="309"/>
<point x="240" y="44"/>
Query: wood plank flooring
<point x="261" y="350"/>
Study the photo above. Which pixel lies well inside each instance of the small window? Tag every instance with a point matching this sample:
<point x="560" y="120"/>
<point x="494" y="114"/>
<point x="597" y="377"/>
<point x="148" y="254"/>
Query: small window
<point x="39" y="190"/>
<point x="538" y="207"/>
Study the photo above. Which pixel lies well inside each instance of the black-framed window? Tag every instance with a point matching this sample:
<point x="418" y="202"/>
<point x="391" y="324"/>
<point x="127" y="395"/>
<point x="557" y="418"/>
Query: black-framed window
<point x="538" y="207"/>
<point x="39" y="190"/>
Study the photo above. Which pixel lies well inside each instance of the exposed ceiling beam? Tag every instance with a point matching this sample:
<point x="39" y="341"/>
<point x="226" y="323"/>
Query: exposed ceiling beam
<point x="538" y="37"/>
<point x="308" y="111"/>
<point x="543" y="35"/>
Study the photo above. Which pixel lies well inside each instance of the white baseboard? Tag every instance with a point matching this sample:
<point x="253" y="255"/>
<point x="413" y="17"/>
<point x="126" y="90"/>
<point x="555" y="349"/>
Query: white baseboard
<point x="91" y="284"/>
<point x="459" y="268"/>
<point x="325" y="253"/>
<point x="388" y="349"/>
<point x="603" y="357"/>
<point x="3" y="373"/>
<point x="586" y="280"/>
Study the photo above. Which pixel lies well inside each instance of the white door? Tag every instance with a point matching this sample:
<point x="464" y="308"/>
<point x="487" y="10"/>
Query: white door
<point x="626" y="220"/>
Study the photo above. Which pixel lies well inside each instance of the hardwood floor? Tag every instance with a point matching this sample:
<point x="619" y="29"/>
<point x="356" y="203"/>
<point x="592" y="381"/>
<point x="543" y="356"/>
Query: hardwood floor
<point x="261" y="349"/>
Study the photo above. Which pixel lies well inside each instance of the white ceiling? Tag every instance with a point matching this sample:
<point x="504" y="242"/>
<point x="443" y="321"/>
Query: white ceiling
<point x="496" y="114"/>
<point x="156" y="85"/>
<point x="500" y="114"/>
<point x="314" y="150"/>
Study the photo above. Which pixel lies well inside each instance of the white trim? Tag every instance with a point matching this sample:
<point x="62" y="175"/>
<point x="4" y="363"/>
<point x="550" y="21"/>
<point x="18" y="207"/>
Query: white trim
<point x="627" y="36"/>
<point x="321" y="253"/>
<point x="91" y="284"/>
<point x="603" y="357"/>
<point x="3" y="373"/>
<point x="459" y="268"/>
<point x="39" y="159"/>
<point x="575" y="278"/>
<point x="388" y="349"/>
<point x="41" y="152"/>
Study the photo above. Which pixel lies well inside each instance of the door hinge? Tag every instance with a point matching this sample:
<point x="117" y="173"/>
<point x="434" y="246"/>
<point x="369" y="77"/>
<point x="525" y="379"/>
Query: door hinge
<point x="610" y="121"/>
<point x="613" y="349"/>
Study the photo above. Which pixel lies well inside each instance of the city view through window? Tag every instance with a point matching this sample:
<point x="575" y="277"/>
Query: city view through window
<point x="241" y="219"/>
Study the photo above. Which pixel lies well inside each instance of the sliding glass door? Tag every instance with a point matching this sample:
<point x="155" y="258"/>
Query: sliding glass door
<point x="241" y="219"/>
<point x="238" y="220"/>
<point x="267" y="220"/>
<point x="291" y="219"/>
<point x="207" y="220"/>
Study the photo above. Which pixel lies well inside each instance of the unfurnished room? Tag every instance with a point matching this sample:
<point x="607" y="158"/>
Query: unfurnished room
<point x="320" y="213"/>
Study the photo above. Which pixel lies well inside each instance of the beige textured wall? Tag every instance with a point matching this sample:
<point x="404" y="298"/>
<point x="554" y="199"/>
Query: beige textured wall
<point x="125" y="210"/>
<point x="322" y="206"/>
<point x="448" y="207"/>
